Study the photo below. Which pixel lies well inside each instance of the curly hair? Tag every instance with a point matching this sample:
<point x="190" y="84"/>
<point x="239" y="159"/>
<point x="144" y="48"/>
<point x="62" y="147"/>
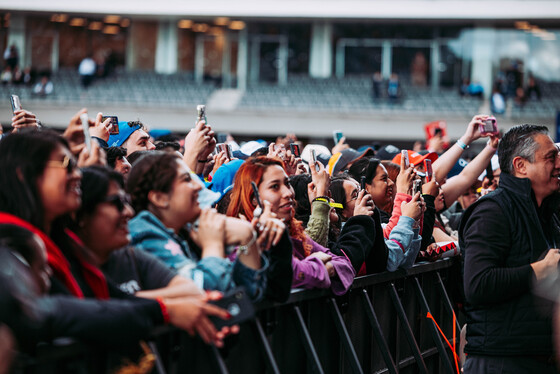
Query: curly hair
<point x="154" y="171"/>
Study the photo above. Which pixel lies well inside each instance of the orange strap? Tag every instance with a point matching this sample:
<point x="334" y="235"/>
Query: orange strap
<point x="452" y="347"/>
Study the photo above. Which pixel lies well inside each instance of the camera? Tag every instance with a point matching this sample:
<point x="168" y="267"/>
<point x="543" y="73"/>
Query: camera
<point x="490" y="126"/>
<point x="113" y="124"/>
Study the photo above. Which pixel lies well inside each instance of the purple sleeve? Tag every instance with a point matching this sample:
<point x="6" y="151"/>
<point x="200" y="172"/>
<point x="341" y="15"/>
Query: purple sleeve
<point x="310" y="273"/>
<point x="345" y="274"/>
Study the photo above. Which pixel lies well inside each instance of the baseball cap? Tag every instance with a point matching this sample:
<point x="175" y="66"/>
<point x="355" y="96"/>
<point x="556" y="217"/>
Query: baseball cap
<point x="339" y="161"/>
<point x="125" y="131"/>
<point x="416" y="158"/>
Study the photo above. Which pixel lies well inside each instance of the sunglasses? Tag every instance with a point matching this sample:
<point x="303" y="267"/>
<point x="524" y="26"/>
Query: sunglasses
<point x="68" y="163"/>
<point x="118" y="201"/>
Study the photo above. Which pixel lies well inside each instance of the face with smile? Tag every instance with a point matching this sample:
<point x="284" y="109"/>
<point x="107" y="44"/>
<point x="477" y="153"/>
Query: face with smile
<point x="183" y="197"/>
<point x="59" y="185"/>
<point x="544" y="172"/>
<point x="139" y="140"/>
<point x="274" y="188"/>
<point x="381" y="188"/>
<point x="351" y="189"/>
<point x="106" y="229"/>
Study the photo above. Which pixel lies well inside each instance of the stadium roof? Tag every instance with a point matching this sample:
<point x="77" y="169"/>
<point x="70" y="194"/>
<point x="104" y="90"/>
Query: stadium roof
<point x="305" y="9"/>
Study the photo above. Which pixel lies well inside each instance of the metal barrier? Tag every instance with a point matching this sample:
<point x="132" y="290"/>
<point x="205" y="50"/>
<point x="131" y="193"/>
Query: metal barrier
<point x="380" y="326"/>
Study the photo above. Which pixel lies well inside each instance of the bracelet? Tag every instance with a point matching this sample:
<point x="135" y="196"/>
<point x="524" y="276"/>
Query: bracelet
<point x="244" y="249"/>
<point x="321" y="198"/>
<point x="164" y="311"/>
<point x="202" y="161"/>
<point x="461" y="144"/>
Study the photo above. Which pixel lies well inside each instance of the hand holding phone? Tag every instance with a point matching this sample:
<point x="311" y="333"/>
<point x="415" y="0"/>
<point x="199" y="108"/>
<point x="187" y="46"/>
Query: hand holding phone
<point x="238" y="305"/>
<point x="294" y="147"/>
<point x="113" y="124"/>
<point x="201" y="113"/>
<point x="417" y="187"/>
<point x="314" y="159"/>
<point x="85" y="127"/>
<point x="362" y="183"/>
<point x="490" y="126"/>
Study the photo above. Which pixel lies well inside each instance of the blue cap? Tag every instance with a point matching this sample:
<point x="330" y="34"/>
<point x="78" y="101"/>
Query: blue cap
<point x="223" y="177"/>
<point x="124" y="133"/>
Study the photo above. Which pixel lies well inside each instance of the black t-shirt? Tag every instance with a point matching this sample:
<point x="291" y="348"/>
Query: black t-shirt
<point x="133" y="270"/>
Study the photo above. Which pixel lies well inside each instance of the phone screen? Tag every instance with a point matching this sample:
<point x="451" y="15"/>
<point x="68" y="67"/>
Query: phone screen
<point x="113" y="125"/>
<point x="295" y="149"/>
<point x="429" y="171"/>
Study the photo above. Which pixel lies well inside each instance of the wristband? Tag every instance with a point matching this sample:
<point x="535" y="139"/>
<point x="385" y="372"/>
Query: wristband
<point x="321" y="198"/>
<point x="164" y="311"/>
<point x="461" y="144"/>
<point x="244" y="249"/>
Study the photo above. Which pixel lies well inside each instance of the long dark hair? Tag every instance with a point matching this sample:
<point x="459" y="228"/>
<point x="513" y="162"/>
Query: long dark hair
<point x="365" y="167"/>
<point x="23" y="159"/>
<point x="303" y="207"/>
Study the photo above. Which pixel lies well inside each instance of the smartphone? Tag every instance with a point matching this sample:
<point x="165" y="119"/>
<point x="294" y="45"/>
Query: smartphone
<point x="85" y="128"/>
<point x="490" y="172"/>
<point x="363" y="182"/>
<point x="490" y="126"/>
<point x="404" y="154"/>
<point x="417" y="187"/>
<point x="201" y="113"/>
<point x="226" y="148"/>
<point x="113" y="125"/>
<point x="256" y="193"/>
<point x="337" y="135"/>
<point x="294" y="147"/>
<point x="314" y="158"/>
<point x="221" y="137"/>
<point x="428" y="169"/>
<point x="16" y="104"/>
<point x="238" y="305"/>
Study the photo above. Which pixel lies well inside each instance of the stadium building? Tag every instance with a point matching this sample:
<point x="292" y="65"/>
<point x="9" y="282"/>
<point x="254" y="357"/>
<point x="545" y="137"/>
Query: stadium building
<point x="265" y="68"/>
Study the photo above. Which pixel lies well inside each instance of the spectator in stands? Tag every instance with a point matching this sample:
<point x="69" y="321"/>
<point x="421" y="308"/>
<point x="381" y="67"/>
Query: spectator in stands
<point x="509" y="239"/>
<point x="43" y="87"/>
<point x="11" y="56"/>
<point x="475" y="89"/>
<point x="419" y="70"/>
<point x="497" y="101"/>
<point x="87" y="70"/>
<point x="520" y="97"/>
<point x="314" y="266"/>
<point x="533" y="90"/>
<point x="377" y="86"/>
<point x="393" y="87"/>
<point x="116" y="159"/>
<point x="165" y="195"/>
<point x="6" y="76"/>
<point x="464" y="87"/>
<point x="132" y="136"/>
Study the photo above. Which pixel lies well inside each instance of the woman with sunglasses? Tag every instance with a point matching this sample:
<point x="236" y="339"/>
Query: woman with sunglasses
<point x="171" y="225"/>
<point x="102" y="224"/>
<point x="40" y="190"/>
<point x="314" y="266"/>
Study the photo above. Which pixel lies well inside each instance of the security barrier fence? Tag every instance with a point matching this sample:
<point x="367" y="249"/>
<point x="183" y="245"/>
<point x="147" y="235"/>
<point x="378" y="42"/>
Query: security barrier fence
<point x="401" y="322"/>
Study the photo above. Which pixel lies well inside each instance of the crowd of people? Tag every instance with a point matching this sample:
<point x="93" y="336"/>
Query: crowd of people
<point x="133" y="232"/>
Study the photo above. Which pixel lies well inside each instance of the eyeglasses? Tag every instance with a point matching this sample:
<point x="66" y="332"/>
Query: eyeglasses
<point x="119" y="201"/>
<point x="68" y="163"/>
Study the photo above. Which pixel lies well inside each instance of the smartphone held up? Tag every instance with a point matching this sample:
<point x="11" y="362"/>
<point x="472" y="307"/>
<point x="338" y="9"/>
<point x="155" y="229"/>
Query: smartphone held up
<point x="113" y="124"/>
<point x="16" y="104"/>
<point x="490" y="126"/>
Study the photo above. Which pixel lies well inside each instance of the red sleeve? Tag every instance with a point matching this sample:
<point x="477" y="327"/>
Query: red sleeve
<point x="399" y="198"/>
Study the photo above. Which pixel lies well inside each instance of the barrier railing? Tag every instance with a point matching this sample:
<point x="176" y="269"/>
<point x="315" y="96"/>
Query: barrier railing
<point x="401" y="322"/>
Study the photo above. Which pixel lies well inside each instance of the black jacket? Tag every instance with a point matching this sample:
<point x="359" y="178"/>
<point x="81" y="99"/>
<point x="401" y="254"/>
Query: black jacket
<point x="500" y="236"/>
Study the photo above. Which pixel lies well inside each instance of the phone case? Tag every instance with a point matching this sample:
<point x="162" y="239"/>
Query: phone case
<point x="237" y="303"/>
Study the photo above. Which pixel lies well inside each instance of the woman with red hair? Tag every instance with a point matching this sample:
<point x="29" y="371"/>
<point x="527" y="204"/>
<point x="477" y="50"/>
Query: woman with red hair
<point x="314" y="266"/>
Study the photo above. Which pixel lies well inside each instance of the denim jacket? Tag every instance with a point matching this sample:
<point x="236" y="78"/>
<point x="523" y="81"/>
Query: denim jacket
<point x="210" y="273"/>
<point x="404" y="244"/>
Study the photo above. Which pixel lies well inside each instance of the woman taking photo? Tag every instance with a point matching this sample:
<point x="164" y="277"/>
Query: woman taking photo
<point x="171" y="226"/>
<point x="314" y="266"/>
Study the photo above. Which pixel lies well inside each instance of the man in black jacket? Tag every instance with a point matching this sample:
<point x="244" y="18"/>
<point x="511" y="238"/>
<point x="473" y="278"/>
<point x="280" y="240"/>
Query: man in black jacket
<point x="509" y="240"/>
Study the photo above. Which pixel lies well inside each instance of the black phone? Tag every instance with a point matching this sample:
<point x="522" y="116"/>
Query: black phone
<point x="16" y="104"/>
<point x="256" y="193"/>
<point x="294" y="147"/>
<point x="490" y="172"/>
<point x="113" y="125"/>
<point x="363" y="182"/>
<point x="238" y="305"/>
